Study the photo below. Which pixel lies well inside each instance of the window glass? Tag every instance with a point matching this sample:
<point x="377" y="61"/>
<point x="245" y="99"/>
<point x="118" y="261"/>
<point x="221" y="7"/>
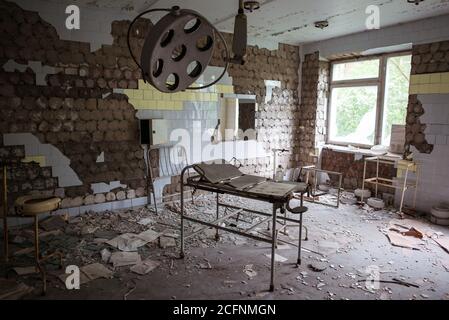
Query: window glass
<point x="355" y="70"/>
<point x="396" y="94"/>
<point x="353" y="115"/>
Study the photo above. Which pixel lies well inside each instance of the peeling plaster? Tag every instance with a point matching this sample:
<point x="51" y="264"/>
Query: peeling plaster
<point x="54" y="158"/>
<point x="40" y="71"/>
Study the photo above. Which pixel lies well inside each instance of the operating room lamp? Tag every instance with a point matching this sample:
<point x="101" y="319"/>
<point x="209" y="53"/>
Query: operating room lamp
<point x="179" y="47"/>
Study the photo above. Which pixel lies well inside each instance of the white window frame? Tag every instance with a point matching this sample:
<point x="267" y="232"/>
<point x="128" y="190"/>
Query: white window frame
<point x="380" y="82"/>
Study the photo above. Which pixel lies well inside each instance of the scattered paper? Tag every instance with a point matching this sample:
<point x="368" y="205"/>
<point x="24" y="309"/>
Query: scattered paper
<point x="96" y="270"/>
<point x="167" y="242"/>
<point x="277" y="257"/>
<point x="130" y="242"/>
<point x="120" y="259"/>
<point x="22" y="271"/>
<point x="170" y="234"/>
<point x="145" y="221"/>
<point x="90" y="272"/>
<point x="149" y="235"/>
<point x="145" y="267"/>
<point x="283" y="247"/>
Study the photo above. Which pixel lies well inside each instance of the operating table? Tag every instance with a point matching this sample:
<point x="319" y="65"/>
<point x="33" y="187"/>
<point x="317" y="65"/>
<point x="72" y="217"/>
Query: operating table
<point x="222" y="178"/>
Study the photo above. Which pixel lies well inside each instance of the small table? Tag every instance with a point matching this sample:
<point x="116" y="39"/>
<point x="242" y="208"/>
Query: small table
<point x="396" y="161"/>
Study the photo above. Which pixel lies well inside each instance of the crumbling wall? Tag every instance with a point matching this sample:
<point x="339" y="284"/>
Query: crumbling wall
<point x="82" y="109"/>
<point x="428" y="123"/>
<point x="351" y="166"/>
<point x="427" y="59"/>
<point x="278" y="124"/>
<point x="312" y="118"/>
<point x="75" y="111"/>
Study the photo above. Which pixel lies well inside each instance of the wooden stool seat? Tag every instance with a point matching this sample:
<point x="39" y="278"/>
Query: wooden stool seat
<point x="34" y="205"/>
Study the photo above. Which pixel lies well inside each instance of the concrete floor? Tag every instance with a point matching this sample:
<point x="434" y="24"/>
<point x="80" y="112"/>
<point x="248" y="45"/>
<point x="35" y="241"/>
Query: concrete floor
<point x="348" y="239"/>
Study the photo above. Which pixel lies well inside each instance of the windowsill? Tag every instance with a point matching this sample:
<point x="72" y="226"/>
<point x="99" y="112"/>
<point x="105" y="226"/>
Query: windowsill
<point x="358" y="151"/>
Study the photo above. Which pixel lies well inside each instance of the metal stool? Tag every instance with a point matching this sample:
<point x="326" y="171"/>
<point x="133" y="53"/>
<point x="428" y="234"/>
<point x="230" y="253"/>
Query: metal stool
<point x="33" y="206"/>
<point x="299" y="210"/>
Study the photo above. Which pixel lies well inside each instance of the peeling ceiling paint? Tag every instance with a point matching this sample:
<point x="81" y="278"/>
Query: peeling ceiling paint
<point x="290" y="21"/>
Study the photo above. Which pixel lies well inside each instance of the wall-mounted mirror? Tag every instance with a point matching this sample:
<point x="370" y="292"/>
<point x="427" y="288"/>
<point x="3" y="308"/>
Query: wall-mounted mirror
<point x="237" y="118"/>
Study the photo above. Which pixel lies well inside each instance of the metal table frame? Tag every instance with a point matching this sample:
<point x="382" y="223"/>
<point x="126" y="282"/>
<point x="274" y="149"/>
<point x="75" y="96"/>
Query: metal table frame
<point x="377" y="181"/>
<point x="277" y="202"/>
<point x="314" y="185"/>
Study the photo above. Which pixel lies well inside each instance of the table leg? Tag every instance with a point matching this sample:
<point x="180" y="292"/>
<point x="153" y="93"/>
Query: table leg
<point x="5" y="215"/>
<point x="217" y="235"/>
<point x="37" y="255"/>
<point x="300" y="231"/>
<point x="300" y="239"/>
<point x="273" y="248"/>
<point x="363" y="181"/>
<point x="182" y="218"/>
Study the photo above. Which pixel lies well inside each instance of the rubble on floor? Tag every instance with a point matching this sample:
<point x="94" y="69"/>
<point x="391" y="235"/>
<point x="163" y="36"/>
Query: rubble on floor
<point x="127" y="244"/>
<point x="11" y="290"/>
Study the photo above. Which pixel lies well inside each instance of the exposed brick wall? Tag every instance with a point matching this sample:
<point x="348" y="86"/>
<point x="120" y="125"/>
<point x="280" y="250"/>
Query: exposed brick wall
<point x="322" y="100"/>
<point x="70" y="112"/>
<point x="24" y="177"/>
<point x="426" y="58"/>
<point x="278" y="120"/>
<point x="77" y="112"/>
<point x="314" y="91"/>
<point x="352" y="169"/>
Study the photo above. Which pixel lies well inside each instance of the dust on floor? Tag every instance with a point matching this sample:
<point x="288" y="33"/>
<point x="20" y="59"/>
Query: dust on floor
<point x="134" y="254"/>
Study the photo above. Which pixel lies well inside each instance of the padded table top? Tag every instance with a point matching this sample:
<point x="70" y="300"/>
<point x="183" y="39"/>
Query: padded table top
<point x="226" y="178"/>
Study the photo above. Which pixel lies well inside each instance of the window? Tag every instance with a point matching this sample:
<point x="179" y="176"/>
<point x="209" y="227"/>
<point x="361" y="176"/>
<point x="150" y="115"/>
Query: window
<point x="368" y="97"/>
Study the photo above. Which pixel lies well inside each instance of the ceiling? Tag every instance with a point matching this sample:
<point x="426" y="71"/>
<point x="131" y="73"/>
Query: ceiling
<point x="292" y="21"/>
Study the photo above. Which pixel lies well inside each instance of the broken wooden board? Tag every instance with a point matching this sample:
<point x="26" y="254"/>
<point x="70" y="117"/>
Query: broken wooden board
<point x="398" y="240"/>
<point x="404" y="225"/>
<point x="443" y="242"/>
